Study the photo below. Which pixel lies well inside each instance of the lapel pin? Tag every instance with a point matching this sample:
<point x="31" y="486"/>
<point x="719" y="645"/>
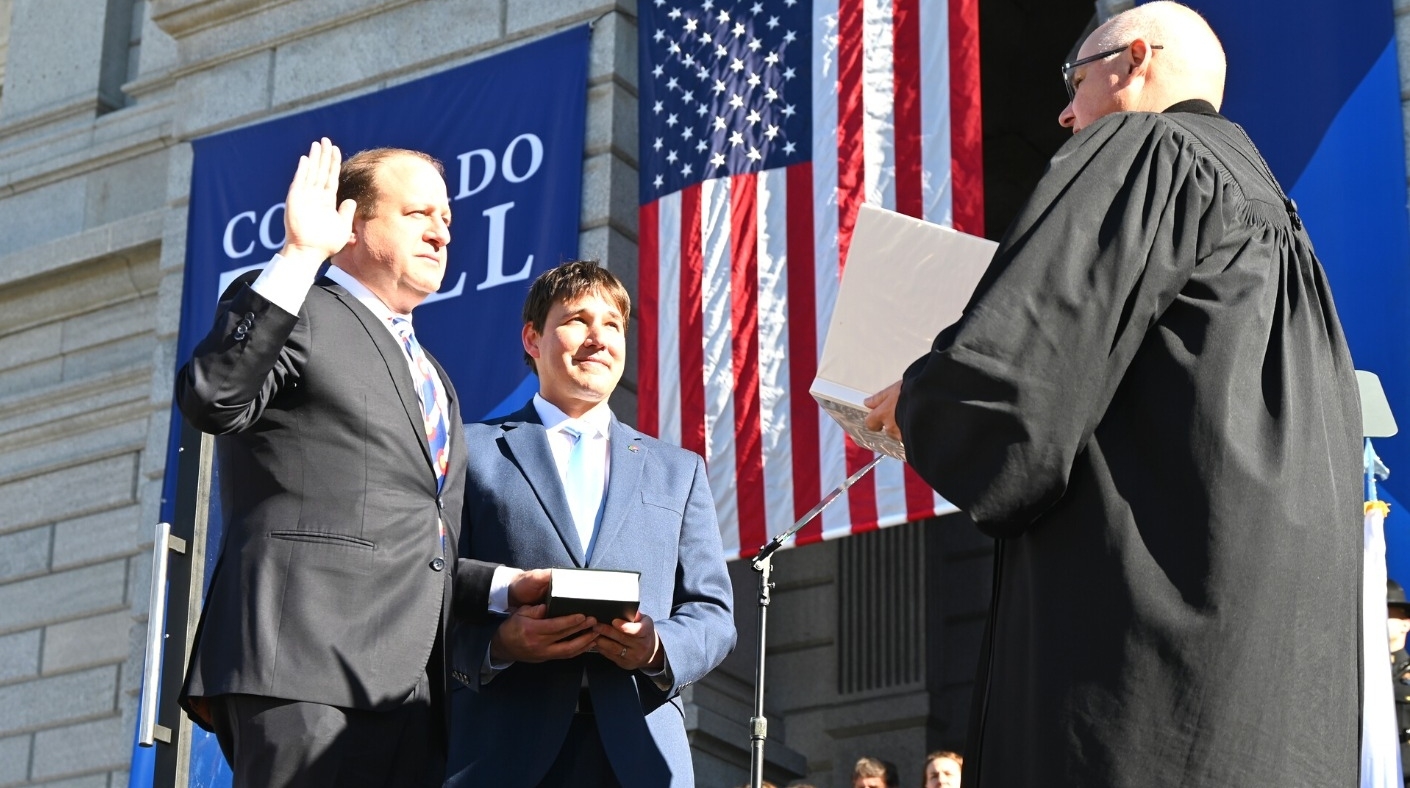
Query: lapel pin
<point x="633" y="447"/>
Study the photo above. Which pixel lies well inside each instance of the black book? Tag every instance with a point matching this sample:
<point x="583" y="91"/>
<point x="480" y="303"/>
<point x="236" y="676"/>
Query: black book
<point x="604" y="594"/>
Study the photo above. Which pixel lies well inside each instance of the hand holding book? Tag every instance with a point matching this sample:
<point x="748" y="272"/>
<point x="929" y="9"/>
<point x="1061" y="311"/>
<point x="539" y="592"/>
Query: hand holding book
<point x="529" y="588"/>
<point x="631" y="645"/>
<point x="530" y="635"/>
<point x="585" y="610"/>
<point x="882" y="417"/>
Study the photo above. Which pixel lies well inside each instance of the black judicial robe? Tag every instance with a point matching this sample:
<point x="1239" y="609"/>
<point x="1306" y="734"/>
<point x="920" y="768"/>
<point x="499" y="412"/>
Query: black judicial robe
<point x="1149" y="403"/>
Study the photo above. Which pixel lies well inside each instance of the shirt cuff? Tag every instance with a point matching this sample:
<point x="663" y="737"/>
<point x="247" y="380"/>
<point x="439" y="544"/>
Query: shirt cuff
<point x="499" y="589"/>
<point x="285" y="284"/>
<point x="489" y="668"/>
<point x="664" y="678"/>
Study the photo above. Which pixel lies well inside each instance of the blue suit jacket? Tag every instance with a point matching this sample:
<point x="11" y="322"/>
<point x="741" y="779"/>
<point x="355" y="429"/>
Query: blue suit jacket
<point x="658" y="519"/>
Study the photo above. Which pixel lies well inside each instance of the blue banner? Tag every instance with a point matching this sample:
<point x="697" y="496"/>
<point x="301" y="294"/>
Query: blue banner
<point x="509" y="129"/>
<point x="1317" y="87"/>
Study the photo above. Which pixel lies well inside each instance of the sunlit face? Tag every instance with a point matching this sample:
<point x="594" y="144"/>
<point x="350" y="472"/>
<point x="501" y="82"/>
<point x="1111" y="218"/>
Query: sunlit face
<point x="1397" y="628"/>
<point x="400" y="251"/>
<point x="1098" y="88"/>
<point x="580" y="353"/>
<point x="942" y="773"/>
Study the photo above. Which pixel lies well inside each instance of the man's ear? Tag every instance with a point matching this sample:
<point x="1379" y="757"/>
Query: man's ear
<point x="1138" y="57"/>
<point x="531" y="340"/>
<point x="355" y="232"/>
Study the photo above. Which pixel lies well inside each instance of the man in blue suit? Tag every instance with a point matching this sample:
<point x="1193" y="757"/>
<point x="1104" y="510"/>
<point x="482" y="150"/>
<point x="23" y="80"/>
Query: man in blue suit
<point x="570" y="701"/>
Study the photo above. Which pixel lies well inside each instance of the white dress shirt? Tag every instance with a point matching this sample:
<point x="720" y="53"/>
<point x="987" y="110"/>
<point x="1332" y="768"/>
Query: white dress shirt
<point x="593" y="427"/>
<point x="561" y="444"/>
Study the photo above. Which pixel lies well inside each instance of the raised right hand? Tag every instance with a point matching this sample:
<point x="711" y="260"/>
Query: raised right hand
<point x="315" y="226"/>
<point x="526" y="636"/>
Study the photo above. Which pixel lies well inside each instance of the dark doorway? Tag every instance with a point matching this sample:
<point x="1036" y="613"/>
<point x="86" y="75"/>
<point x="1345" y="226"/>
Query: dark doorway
<point x="1022" y="46"/>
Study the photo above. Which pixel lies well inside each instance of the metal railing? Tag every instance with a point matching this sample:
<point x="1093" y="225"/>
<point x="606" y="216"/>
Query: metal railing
<point x="148" y="731"/>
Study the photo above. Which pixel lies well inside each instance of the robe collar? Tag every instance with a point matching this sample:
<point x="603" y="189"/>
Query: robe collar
<point x="1196" y="106"/>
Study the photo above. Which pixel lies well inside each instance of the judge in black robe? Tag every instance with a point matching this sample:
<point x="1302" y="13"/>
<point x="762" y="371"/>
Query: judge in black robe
<point x="1149" y="403"/>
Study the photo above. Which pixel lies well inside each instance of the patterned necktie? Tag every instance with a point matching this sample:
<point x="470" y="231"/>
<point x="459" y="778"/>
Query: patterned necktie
<point x="583" y="483"/>
<point x="433" y="405"/>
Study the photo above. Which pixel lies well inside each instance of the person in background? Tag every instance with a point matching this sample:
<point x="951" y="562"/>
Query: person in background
<point x="873" y="773"/>
<point x="1398" y="625"/>
<point x="942" y="769"/>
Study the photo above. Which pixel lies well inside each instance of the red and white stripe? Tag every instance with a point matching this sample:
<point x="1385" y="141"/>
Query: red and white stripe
<point x="738" y="275"/>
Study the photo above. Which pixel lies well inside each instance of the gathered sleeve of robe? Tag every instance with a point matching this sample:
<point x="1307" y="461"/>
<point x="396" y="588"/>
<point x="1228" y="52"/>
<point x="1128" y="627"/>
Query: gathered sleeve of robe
<point x="994" y="415"/>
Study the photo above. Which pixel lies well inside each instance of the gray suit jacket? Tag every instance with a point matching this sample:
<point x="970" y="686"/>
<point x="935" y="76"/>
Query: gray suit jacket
<point x="330" y="586"/>
<point x="658" y="519"/>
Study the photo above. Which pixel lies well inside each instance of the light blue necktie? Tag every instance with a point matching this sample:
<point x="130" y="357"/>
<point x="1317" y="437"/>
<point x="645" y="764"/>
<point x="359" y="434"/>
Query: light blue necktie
<point x="433" y="406"/>
<point x="583" y="484"/>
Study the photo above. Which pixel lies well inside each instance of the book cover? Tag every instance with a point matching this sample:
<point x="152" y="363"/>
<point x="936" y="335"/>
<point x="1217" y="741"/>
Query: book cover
<point x="604" y="594"/>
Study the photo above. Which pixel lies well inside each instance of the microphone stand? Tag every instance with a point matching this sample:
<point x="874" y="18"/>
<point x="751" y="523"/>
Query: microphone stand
<point x="763" y="564"/>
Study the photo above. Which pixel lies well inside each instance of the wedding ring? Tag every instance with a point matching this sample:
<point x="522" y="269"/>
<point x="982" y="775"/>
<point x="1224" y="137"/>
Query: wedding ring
<point x="623" y="654"/>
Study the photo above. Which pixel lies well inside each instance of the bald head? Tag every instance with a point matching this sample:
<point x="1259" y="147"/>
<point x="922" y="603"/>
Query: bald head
<point x="1191" y="66"/>
<point x="1168" y="54"/>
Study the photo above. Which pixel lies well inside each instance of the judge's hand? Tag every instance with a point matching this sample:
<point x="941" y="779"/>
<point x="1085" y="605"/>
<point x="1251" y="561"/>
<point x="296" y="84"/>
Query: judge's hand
<point x="631" y="645"/>
<point x="526" y="636"/>
<point x="529" y="588"/>
<point x="315" y="225"/>
<point x="883" y="410"/>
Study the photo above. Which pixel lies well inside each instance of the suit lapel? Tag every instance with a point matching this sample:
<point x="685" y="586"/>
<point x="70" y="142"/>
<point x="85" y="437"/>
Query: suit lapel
<point x="623" y="485"/>
<point x="394" y="357"/>
<point x="527" y="441"/>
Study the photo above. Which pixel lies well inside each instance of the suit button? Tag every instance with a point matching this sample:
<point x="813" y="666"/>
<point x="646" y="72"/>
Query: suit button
<point x="249" y="317"/>
<point x="239" y="335"/>
<point x="440" y="503"/>
<point x="438" y="563"/>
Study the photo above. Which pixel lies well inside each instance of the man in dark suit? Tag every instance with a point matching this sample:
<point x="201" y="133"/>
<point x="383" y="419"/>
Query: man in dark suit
<point x="319" y="658"/>
<point x="570" y="701"/>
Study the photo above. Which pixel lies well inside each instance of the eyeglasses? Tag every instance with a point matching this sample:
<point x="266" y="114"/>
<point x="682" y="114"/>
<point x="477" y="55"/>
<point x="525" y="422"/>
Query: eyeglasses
<point x="1067" y="67"/>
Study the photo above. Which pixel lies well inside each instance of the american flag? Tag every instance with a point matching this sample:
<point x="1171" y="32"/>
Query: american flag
<point x="764" y="125"/>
